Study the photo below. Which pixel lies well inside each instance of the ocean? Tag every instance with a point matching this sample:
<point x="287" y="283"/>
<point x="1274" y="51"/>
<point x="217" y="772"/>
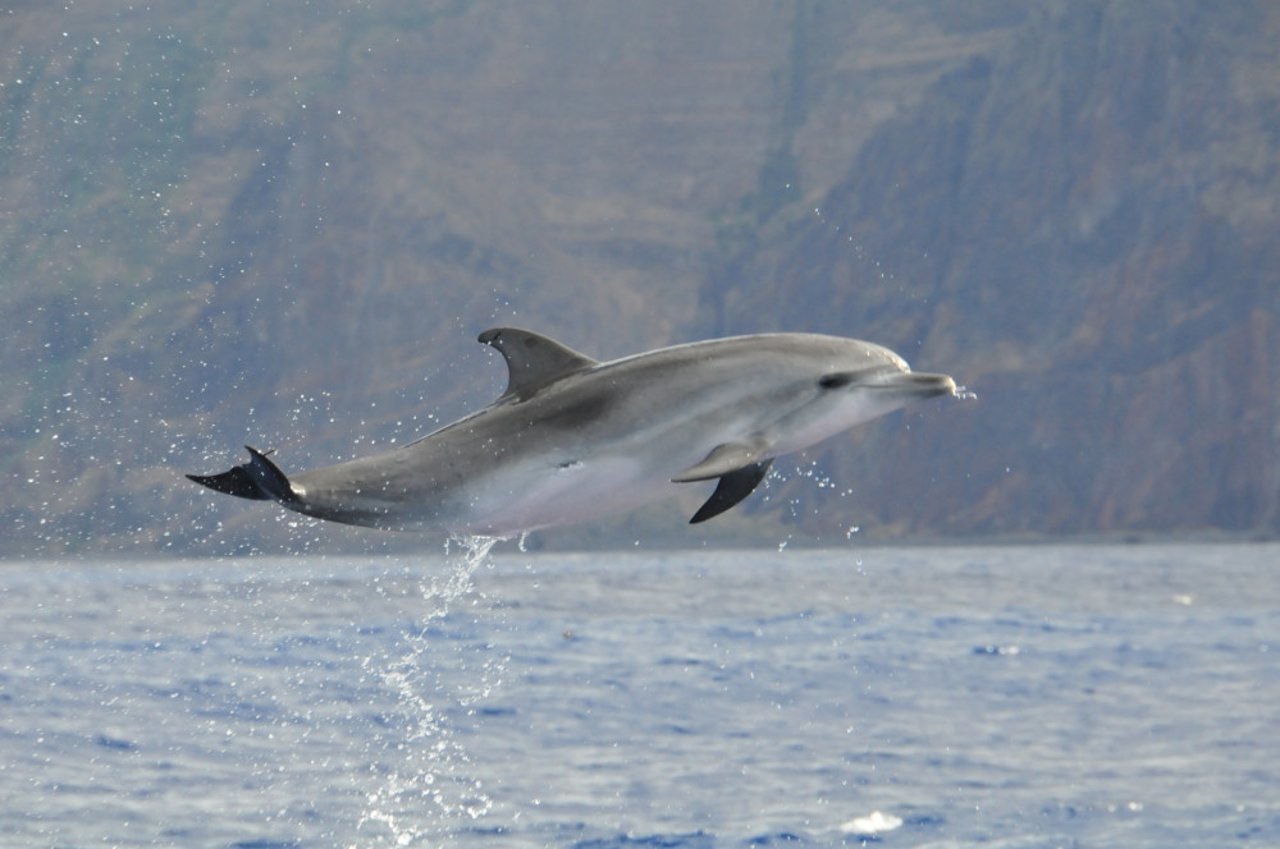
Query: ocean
<point x="1029" y="696"/>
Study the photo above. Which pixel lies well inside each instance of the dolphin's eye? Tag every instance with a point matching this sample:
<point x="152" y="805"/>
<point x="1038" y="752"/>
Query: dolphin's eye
<point x="837" y="380"/>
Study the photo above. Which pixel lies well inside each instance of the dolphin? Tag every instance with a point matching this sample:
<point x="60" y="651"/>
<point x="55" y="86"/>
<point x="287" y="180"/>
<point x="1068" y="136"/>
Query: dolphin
<point x="572" y="438"/>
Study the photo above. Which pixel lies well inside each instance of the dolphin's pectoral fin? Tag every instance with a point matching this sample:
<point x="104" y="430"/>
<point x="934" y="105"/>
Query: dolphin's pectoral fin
<point x="732" y="488"/>
<point x="723" y="459"/>
<point x="259" y="479"/>
<point x="533" y="360"/>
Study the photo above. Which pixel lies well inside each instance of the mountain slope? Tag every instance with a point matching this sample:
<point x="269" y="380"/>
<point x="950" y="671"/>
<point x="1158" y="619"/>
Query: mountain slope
<point x="235" y="224"/>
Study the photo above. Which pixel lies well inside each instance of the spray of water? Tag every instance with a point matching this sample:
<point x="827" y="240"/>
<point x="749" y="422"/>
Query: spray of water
<point x="423" y="787"/>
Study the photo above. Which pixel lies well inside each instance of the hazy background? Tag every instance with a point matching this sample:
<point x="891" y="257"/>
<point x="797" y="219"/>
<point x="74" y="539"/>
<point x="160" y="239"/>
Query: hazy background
<point x="285" y="225"/>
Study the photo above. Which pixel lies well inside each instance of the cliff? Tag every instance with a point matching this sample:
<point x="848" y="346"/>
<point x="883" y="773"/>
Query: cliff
<point x="231" y="223"/>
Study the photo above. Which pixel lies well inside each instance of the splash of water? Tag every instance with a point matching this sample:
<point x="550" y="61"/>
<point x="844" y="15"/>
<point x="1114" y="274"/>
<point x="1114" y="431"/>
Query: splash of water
<point x="423" y="784"/>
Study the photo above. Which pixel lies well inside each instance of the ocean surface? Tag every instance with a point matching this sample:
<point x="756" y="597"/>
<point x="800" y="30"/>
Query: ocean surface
<point x="1055" y="696"/>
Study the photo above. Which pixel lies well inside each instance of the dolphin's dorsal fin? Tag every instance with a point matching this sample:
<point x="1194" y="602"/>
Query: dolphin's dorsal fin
<point x="533" y="360"/>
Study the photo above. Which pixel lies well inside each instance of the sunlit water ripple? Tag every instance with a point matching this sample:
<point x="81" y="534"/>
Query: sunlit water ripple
<point x="1011" y="697"/>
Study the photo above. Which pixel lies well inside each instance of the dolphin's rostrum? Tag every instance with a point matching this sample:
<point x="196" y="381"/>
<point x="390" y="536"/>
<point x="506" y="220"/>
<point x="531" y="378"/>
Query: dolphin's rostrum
<point x="572" y="438"/>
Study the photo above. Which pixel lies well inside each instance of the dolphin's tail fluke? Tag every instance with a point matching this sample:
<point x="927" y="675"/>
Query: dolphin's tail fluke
<point x="259" y="479"/>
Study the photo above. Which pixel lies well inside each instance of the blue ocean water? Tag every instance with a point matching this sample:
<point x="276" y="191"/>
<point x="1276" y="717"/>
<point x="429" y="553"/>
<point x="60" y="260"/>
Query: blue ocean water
<point x="1055" y="696"/>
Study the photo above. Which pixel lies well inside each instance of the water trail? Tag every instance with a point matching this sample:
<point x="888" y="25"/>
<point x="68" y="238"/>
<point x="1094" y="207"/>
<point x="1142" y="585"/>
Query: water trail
<point x="423" y="789"/>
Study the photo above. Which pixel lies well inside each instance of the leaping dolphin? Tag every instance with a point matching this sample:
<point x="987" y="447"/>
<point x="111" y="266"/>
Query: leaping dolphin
<point x="572" y="438"/>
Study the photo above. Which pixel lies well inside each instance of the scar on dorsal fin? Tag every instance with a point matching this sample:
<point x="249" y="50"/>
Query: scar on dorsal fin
<point x="732" y="488"/>
<point x="724" y="458"/>
<point x="533" y="360"/>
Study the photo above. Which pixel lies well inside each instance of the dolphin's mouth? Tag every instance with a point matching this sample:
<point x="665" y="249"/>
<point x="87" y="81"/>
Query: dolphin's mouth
<point x="918" y="384"/>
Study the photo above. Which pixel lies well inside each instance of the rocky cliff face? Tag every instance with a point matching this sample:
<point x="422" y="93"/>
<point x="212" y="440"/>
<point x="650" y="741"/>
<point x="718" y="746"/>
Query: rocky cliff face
<point x="1064" y="218"/>
<point x="234" y="224"/>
